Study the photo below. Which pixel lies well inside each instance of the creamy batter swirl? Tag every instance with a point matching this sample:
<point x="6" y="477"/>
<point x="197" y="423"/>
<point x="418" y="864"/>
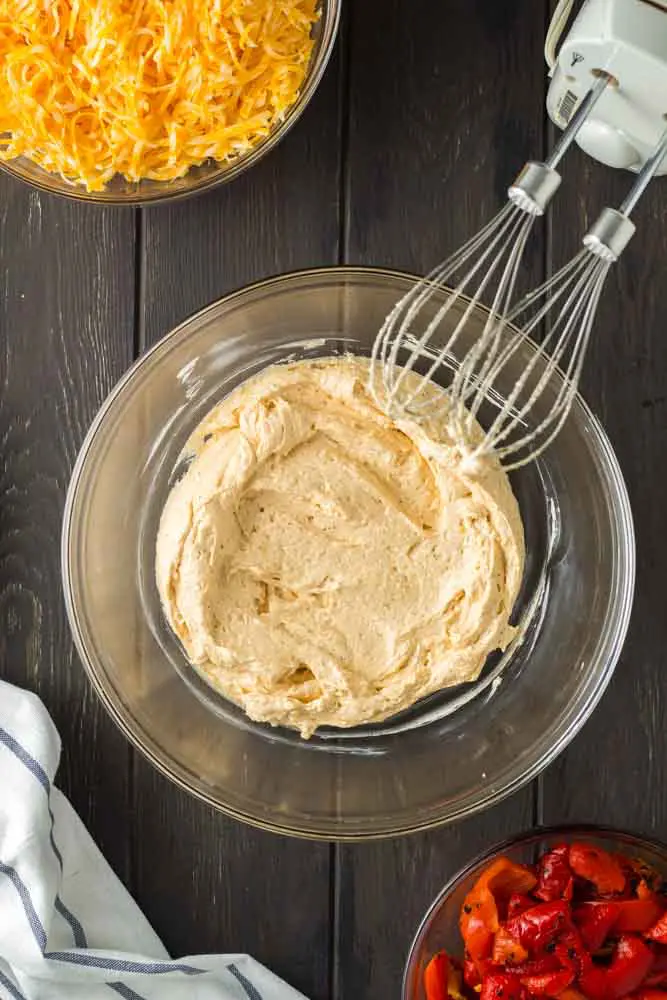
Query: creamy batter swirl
<point x="322" y="564"/>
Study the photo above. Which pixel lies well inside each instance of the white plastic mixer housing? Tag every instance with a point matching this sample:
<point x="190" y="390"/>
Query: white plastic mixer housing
<point x="628" y="40"/>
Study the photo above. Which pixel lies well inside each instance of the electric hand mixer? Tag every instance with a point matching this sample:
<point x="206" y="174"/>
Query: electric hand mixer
<point x="609" y="92"/>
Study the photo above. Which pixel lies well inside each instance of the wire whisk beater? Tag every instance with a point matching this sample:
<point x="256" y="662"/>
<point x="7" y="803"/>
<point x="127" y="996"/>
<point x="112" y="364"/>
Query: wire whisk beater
<point x="559" y="315"/>
<point x="483" y="270"/>
<point x="563" y="311"/>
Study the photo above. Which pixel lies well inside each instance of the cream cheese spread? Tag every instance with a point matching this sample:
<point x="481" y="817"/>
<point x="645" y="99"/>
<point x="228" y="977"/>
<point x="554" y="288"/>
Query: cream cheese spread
<point x="324" y="565"/>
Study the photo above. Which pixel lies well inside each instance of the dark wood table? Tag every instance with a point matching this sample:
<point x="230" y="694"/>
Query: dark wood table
<point x="428" y="109"/>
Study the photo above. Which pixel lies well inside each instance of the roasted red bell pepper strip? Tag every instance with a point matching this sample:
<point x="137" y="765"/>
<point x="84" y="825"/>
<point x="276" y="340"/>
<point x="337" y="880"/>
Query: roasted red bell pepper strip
<point x="571" y="952"/>
<point x="554" y="875"/>
<point x="471" y="973"/>
<point x="594" y="921"/>
<point x="647" y="890"/>
<point x="630" y="964"/>
<point x="593" y="983"/>
<point x="571" y="994"/>
<point x="517" y="903"/>
<point x="639" y="914"/>
<point x="658" y="932"/>
<point x="597" y="866"/>
<point x="641" y="872"/>
<point x="436" y="977"/>
<point x="549" y="984"/>
<point x="505" y="877"/>
<point x="479" y="919"/>
<point x="502" y="986"/>
<point x="536" y="927"/>
<point x="649" y="993"/>
<point x="538" y="966"/>
<point x="658" y="974"/>
<point x="479" y="922"/>
<point x="506" y="949"/>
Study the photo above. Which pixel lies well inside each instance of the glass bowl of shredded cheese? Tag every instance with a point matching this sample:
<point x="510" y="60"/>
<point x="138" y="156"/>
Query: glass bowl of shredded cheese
<point x="119" y="101"/>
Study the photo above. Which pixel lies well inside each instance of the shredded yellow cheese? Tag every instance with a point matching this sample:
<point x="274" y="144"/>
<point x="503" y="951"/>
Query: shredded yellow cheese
<point x="90" y="89"/>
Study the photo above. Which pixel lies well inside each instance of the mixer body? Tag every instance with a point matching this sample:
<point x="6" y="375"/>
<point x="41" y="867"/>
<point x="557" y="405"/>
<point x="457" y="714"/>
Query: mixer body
<point x="628" y="40"/>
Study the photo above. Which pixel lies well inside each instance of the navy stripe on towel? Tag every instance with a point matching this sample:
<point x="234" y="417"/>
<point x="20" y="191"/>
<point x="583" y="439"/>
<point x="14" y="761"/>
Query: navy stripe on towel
<point x="80" y="939"/>
<point x="124" y="991"/>
<point x="91" y="961"/>
<point x="73" y="958"/>
<point x="84" y="958"/>
<point x="38" y="771"/>
<point x="13" y="990"/>
<point x="31" y="913"/>
<point x="252" y="991"/>
<point x="33" y="765"/>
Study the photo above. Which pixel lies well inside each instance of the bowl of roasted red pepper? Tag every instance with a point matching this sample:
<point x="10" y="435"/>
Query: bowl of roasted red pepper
<point x="568" y="914"/>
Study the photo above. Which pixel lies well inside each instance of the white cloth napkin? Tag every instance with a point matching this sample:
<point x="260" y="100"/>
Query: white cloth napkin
<point x="68" y="928"/>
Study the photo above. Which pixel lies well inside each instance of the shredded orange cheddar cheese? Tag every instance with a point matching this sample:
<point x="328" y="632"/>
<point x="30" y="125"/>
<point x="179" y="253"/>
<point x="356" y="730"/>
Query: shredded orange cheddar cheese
<point x="146" y="88"/>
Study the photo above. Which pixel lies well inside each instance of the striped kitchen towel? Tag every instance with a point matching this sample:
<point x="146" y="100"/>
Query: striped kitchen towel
<point x="68" y="928"/>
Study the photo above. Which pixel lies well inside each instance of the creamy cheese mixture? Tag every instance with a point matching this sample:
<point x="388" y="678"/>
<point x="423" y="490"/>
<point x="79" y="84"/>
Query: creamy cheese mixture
<point x="323" y="564"/>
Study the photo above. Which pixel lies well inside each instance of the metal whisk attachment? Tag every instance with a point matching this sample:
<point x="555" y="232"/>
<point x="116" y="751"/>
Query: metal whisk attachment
<point x="565" y="307"/>
<point x="483" y="270"/>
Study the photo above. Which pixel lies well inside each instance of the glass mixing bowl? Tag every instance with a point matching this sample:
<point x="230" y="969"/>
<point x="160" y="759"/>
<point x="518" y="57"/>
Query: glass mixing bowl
<point x="452" y="754"/>
<point x="209" y="174"/>
<point x="440" y="927"/>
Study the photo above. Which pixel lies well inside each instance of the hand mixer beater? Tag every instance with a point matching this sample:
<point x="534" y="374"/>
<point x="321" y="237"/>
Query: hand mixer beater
<point x="565" y="306"/>
<point x="486" y="267"/>
<point x="625" y="36"/>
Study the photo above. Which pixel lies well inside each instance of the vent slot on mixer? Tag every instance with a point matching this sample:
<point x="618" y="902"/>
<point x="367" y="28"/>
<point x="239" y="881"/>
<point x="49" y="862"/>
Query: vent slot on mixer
<point x="568" y="103"/>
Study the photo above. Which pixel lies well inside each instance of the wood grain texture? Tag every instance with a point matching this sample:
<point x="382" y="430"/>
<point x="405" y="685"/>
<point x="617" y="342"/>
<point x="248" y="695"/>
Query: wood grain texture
<point x="230" y="887"/>
<point x="616" y="768"/>
<point x="66" y="319"/>
<point x="446" y="104"/>
<point x="208" y="884"/>
<point x="423" y="118"/>
<point x="382" y="891"/>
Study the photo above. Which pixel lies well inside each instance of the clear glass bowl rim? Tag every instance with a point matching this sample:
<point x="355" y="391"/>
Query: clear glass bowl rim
<point x="331" y="13"/>
<point x="615" y="632"/>
<point x="565" y="831"/>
